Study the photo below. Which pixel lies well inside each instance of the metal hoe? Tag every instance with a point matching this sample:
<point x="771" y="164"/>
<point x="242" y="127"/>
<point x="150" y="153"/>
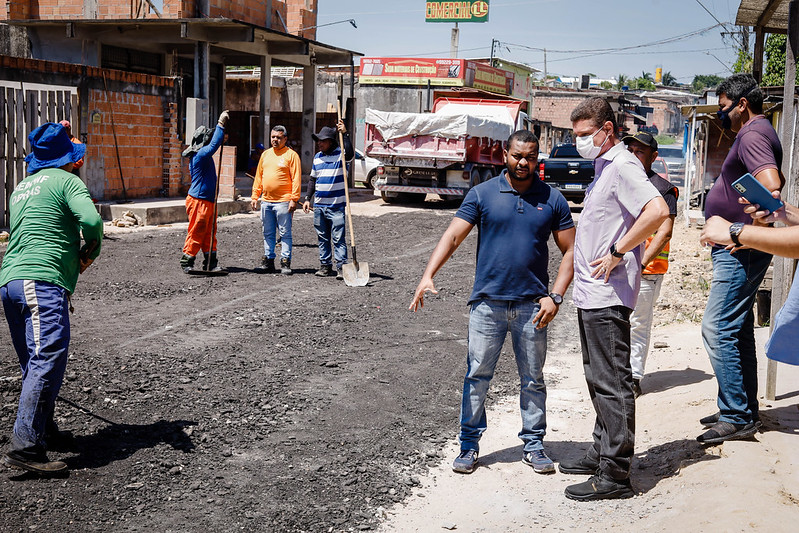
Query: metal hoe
<point x="355" y="274"/>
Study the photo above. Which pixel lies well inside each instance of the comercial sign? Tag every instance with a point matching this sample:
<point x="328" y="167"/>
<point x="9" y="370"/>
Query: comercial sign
<point x="466" y="11"/>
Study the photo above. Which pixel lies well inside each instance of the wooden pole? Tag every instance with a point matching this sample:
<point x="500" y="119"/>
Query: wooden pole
<point x="784" y="268"/>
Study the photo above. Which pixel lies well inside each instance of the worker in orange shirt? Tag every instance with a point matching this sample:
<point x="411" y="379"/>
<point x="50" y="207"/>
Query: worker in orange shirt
<point x="74" y="140"/>
<point x="277" y="184"/>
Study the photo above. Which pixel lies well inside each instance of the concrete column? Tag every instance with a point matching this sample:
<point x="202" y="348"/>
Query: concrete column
<point x="265" y="100"/>
<point x="308" y="117"/>
<point x="202" y="70"/>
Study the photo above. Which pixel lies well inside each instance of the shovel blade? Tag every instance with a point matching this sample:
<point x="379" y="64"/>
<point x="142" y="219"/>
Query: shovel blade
<point x="355" y="275"/>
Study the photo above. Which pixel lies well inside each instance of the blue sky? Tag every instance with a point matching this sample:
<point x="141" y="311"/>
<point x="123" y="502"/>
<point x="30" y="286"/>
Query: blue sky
<point x="571" y="31"/>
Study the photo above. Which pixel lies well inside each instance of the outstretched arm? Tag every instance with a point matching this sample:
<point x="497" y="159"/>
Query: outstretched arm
<point x="457" y="231"/>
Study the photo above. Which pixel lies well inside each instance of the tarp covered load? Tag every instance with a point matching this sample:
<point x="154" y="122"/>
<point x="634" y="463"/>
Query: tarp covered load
<point x="452" y="121"/>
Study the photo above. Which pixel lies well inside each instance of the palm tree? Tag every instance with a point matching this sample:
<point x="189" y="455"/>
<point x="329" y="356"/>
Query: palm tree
<point x="621" y="81"/>
<point x="646" y="76"/>
<point x="668" y="79"/>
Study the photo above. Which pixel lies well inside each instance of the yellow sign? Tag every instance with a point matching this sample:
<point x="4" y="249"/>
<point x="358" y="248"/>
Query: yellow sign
<point x="464" y="11"/>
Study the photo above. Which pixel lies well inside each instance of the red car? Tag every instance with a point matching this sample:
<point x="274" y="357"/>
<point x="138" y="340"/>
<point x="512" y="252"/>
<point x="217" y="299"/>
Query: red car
<point x="659" y="166"/>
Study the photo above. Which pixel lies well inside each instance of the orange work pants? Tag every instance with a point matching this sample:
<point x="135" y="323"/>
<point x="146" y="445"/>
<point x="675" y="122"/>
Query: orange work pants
<point x="202" y="226"/>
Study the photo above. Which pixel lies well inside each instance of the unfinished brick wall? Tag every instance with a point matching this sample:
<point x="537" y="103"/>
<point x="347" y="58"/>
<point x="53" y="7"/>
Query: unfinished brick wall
<point x="251" y="11"/>
<point x="146" y="123"/>
<point x="556" y="107"/>
<point x="301" y="14"/>
<point x="139" y="123"/>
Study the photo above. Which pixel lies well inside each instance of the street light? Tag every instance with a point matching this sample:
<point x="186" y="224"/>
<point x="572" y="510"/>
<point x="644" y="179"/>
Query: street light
<point x="351" y="21"/>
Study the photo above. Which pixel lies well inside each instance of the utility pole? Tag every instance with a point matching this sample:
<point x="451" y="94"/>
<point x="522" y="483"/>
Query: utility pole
<point x="453" y="44"/>
<point x="493" y="45"/>
<point x="545" y="67"/>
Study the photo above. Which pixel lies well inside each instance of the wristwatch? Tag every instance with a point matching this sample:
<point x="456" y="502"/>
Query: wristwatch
<point x="735" y="230"/>
<point x="614" y="253"/>
<point x="557" y="298"/>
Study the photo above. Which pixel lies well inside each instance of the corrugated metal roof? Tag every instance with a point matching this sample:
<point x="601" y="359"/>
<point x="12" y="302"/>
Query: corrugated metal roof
<point x="768" y="13"/>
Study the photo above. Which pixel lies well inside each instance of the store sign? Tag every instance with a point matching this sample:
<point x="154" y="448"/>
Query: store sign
<point x="488" y="78"/>
<point x="411" y="71"/>
<point x="438" y="72"/>
<point x="471" y="11"/>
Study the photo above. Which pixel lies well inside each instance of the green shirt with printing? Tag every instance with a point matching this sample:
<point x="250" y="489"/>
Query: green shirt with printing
<point x="48" y="210"/>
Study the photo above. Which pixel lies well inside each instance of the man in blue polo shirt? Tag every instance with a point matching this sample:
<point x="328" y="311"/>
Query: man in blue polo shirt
<point x="514" y="212"/>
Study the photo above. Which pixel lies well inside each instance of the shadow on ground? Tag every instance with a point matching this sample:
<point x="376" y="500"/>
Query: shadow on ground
<point x="668" y="379"/>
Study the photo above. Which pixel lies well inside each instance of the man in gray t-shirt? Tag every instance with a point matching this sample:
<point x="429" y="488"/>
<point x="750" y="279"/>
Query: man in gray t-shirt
<point x="622" y="208"/>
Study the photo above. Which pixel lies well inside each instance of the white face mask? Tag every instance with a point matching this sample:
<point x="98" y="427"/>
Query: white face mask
<point x="586" y="147"/>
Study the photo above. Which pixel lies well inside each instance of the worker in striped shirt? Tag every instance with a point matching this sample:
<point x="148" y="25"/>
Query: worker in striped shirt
<point x="326" y="191"/>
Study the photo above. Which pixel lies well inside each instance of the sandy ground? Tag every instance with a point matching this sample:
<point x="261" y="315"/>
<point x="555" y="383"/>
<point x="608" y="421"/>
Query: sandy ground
<point x="750" y="485"/>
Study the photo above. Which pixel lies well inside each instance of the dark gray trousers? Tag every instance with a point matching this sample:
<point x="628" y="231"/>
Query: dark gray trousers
<point x="605" y="341"/>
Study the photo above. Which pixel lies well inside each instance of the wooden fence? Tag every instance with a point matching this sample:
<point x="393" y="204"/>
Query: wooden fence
<point x="21" y="111"/>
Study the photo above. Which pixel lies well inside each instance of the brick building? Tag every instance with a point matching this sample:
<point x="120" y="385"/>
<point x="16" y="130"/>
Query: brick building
<point x="140" y="51"/>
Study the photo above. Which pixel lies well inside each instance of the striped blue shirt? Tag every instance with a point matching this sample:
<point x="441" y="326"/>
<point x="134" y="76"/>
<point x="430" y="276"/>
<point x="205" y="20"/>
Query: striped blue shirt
<point x="329" y="175"/>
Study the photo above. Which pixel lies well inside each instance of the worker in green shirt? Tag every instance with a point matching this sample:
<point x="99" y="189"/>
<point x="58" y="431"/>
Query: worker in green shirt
<point x="40" y="268"/>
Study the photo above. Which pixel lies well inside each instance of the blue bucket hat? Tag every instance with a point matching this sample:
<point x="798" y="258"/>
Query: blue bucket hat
<point x="51" y="148"/>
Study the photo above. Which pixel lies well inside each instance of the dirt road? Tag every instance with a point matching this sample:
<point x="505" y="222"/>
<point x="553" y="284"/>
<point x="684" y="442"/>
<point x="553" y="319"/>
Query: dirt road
<point x="270" y="403"/>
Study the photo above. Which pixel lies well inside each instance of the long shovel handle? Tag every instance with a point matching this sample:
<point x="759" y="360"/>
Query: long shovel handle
<point x="216" y="197"/>
<point x="346" y="187"/>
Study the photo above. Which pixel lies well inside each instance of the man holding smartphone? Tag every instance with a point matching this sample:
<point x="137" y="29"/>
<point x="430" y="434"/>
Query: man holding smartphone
<point x="728" y="323"/>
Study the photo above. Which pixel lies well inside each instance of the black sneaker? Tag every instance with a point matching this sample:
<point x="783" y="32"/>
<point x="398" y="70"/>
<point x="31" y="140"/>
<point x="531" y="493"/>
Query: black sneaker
<point x="39" y="465"/>
<point x="584" y="465"/>
<point x="339" y="273"/>
<point x="325" y="270"/>
<point x="465" y="462"/>
<point x="266" y="266"/>
<point x="285" y="266"/>
<point x="599" y="487"/>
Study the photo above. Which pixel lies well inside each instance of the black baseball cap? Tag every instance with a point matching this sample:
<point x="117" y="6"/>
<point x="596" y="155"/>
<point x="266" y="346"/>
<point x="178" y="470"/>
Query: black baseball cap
<point x="643" y="138"/>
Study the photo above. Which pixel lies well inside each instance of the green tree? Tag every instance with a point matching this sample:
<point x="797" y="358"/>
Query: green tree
<point x="606" y="85"/>
<point x="646" y="76"/>
<point x="702" y="81"/>
<point x="668" y="79"/>
<point x="621" y="81"/>
<point x="744" y="62"/>
<point x="775" y="60"/>
<point x="644" y="83"/>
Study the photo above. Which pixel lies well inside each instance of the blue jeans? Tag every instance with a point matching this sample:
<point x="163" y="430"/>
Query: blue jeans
<point x="489" y="323"/>
<point x="276" y="217"/>
<point x="329" y="224"/>
<point x="38" y="318"/>
<point x="728" y="330"/>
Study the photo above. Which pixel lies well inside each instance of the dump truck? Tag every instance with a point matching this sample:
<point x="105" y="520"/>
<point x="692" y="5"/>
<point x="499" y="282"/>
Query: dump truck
<point x="446" y="152"/>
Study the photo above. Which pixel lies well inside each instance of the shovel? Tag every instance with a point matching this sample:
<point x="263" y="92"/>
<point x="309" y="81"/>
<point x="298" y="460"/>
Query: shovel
<point x="355" y="274"/>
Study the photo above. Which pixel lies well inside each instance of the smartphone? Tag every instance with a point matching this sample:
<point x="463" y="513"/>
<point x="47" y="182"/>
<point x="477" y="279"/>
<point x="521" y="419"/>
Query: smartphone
<point x="756" y="193"/>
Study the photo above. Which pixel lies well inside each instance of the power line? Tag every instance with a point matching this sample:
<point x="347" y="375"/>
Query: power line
<point x="720" y="23"/>
<point x="667" y="40"/>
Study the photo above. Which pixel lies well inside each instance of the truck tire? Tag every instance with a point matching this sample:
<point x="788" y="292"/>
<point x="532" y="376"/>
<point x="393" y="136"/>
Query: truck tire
<point x="370" y="180"/>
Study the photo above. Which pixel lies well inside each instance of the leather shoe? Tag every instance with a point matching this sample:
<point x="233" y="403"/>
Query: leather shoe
<point x="584" y="465"/>
<point x="599" y="487"/>
<point x="38" y="465"/>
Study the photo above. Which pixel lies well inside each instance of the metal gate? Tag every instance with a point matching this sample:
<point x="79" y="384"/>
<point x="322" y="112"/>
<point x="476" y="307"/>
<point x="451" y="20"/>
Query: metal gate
<point x="21" y="111"/>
